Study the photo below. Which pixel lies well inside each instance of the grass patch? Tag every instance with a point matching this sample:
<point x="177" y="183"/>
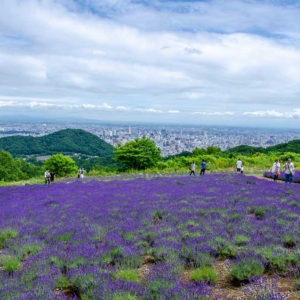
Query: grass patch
<point x="128" y="275"/>
<point x="245" y="270"/>
<point x="206" y="274"/>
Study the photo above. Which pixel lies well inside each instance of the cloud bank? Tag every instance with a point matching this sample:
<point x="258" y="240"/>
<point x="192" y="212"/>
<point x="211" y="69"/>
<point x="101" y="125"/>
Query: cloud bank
<point x="215" y="59"/>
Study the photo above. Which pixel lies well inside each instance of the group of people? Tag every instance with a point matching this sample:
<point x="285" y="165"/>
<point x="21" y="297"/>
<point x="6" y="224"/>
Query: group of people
<point x="202" y="168"/>
<point x="80" y="173"/>
<point x="49" y="177"/>
<point x="288" y="168"/>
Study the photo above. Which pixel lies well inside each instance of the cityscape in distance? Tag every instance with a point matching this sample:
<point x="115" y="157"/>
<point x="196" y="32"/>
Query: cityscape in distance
<point x="171" y="139"/>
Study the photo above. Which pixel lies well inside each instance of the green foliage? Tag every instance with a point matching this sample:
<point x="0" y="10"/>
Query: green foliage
<point x="195" y="259"/>
<point x="138" y="154"/>
<point x="288" y="241"/>
<point x="128" y="275"/>
<point x="65" y="237"/>
<point x="241" y="240"/>
<point x="10" y="264"/>
<point x="30" y="250"/>
<point x="7" y="234"/>
<point x="278" y="259"/>
<point x="61" y="165"/>
<point x="225" y="248"/>
<point x="297" y="285"/>
<point x="205" y="274"/>
<point x="63" y="282"/>
<point x="66" y="141"/>
<point x="260" y="212"/>
<point x="10" y="169"/>
<point x="124" y="296"/>
<point x="246" y="269"/>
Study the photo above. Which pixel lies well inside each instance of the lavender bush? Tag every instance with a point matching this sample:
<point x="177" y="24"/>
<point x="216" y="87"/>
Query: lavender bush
<point x="81" y="240"/>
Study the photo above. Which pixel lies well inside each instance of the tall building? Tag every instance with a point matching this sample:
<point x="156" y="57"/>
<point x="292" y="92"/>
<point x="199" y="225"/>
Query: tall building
<point x="129" y="129"/>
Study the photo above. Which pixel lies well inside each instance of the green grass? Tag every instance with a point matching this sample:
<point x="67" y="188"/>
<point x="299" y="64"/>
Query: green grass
<point x="7" y="234"/>
<point x="206" y="274"/>
<point x="246" y="269"/>
<point x="128" y="275"/>
<point x="241" y="239"/>
<point x="10" y="264"/>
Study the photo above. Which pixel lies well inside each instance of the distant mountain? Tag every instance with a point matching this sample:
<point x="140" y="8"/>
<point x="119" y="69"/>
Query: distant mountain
<point x="66" y="141"/>
<point x="292" y="146"/>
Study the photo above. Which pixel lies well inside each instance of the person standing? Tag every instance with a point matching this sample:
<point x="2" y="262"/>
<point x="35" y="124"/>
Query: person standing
<point x="47" y="177"/>
<point x="203" y="167"/>
<point x="192" y="168"/>
<point x="289" y="171"/>
<point x="239" y="165"/>
<point x="52" y="176"/>
<point x="276" y="169"/>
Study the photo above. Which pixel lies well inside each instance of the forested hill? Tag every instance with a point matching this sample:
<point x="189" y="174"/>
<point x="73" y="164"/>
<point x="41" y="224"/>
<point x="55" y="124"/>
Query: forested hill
<point x="292" y="146"/>
<point x="67" y="141"/>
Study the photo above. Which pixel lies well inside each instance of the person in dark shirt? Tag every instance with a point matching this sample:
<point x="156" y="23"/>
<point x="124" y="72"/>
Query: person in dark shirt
<point x="52" y="176"/>
<point x="202" y="167"/>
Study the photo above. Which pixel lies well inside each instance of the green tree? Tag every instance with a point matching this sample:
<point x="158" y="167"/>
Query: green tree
<point x="61" y="165"/>
<point x="9" y="168"/>
<point x="138" y="154"/>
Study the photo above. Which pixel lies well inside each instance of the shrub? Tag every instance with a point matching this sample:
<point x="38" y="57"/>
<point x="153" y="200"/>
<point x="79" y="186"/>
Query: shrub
<point x="63" y="282"/>
<point x="225" y="248"/>
<point x="260" y="212"/>
<point x="5" y="235"/>
<point x="241" y="240"/>
<point x="288" y="242"/>
<point x="195" y="259"/>
<point x="128" y="275"/>
<point x="205" y="274"/>
<point x="246" y="269"/>
<point x="11" y="264"/>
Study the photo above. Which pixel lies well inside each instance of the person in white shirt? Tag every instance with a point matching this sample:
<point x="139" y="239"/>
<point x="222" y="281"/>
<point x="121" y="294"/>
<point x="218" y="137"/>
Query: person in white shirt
<point x="276" y="169"/>
<point x="47" y="177"/>
<point x="289" y="171"/>
<point x="192" y="168"/>
<point x="239" y="165"/>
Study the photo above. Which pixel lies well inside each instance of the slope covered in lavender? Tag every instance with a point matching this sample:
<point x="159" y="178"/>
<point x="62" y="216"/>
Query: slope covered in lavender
<point x="159" y="238"/>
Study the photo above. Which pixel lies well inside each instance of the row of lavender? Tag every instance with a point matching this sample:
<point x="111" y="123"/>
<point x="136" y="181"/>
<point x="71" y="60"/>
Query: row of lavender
<point x="296" y="178"/>
<point x="83" y="237"/>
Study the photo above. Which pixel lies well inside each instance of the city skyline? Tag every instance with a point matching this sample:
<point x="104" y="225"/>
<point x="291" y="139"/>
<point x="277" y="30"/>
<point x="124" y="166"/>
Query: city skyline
<point x="180" y="62"/>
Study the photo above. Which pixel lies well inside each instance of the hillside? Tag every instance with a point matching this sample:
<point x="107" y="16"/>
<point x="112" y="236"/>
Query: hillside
<point x="66" y="141"/>
<point x="292" y="146"/>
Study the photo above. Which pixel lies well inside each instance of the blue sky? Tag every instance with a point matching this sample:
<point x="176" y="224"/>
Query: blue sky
<point x="207" y="62"/>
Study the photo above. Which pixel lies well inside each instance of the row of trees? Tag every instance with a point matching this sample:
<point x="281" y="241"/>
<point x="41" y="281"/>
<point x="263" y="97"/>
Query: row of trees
<point x="138" y="154"/>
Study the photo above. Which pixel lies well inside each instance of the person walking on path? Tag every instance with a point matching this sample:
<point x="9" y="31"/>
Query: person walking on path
<point x="276" y="169"/>
<point x="203" y="167"/>
<point x="47" y="177"/>
<point x="289" y="171"/>
<point x="192" y="168"/>
<point x="239" y="165"/>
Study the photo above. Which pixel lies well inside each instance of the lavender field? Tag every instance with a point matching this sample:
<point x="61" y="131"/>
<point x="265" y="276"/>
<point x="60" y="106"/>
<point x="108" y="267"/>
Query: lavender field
<point x="210" y="237"/>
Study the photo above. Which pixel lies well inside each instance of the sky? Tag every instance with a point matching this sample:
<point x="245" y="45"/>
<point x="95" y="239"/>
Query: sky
<point x="221" y="62"/>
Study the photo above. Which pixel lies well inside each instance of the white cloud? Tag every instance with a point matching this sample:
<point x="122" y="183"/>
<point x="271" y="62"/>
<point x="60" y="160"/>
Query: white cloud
<point x="273" y="113"/>
<point x="217" y="113"/>
<point x="149" y="110"/>
<point x="173" y="112"/>
<point x="214" y="58"/>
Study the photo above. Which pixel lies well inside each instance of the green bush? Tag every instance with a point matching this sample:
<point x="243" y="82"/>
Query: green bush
<point x="7" y="234"/>
<point x="128" y="275"/>
<point x="206" y="274"/>
<point x="241" y="239"/>
<point x="11" y="264"/>
<point x="260" y="212"/>
<point x="225" y="249"/>
<point x="246" y="269"/>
